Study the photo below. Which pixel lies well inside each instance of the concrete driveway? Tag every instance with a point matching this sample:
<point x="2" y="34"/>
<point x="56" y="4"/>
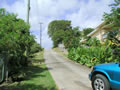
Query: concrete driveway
<point x="67" y="74"/>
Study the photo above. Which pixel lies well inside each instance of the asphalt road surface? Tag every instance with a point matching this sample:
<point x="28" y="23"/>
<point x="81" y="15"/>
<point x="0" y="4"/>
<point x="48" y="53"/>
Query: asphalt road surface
<point x="67" y="74"/>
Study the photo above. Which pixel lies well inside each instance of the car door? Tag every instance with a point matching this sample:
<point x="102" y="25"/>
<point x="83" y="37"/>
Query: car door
<point x="117" y="73"/>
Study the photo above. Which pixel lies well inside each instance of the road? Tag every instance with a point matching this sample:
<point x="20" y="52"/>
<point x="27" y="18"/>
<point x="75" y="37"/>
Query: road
<point x="67" y="74"/>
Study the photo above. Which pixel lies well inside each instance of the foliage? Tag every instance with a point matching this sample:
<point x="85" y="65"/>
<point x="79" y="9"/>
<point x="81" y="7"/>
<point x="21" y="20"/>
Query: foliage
<point x="96" y="53"/>
<point x="58" y="25"/>
<point x="113" y="39"/>
<point x="91" y="56"/>
<point x="86" y="31"/>
<point x="114" y="36"/>
<point x="61" y="31"/>
<point x="56" y="30"/>
<point x="93" y="42"/>
<point x="113" y="17"/>
<point x="115" y="49"/>
<point x="37" y="77"/>
<point x="14" y="39"/>
<point x="72" y="38"/>
<point x="58" y="37"/>
<point x="35" y="48"/>
<point x="116" y="53"/>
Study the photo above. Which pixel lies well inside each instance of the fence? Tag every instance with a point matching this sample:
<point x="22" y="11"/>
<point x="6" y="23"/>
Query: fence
<point x="2" y="69"/>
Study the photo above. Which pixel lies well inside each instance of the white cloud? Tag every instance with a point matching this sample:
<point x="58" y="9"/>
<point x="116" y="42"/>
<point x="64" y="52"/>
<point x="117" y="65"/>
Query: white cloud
<point x="89" y="14"/>
<point x="80" y="12"/>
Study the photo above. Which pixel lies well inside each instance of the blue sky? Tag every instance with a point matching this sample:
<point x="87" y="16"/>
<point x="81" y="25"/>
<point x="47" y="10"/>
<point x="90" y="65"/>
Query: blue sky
<point x="10" y="2"/>
<point x="82" y="13"/>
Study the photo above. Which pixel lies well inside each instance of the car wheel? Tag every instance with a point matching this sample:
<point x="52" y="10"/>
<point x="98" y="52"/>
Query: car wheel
<point x="100" y="82"/>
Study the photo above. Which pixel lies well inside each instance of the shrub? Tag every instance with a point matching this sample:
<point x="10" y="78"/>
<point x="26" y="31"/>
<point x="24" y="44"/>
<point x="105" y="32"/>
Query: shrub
<point x="93" y="42"/>
<point x="35" y="48"/>
<point x="91" y="56"/>
<point x="15" y="39"/>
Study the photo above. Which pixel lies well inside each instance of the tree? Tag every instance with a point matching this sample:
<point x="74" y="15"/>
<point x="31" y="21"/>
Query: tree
<point x="113" y="18"/>
<point x="58" y="37"/>
<point x="58" y="25"/>
<point x="35" y="48"/>
<point x="61" y="31"/>
<point x="14" y="38"/>
<point x="86" y="31"/>
<point x="72" y="38"/>
<point x="56" y="30"/>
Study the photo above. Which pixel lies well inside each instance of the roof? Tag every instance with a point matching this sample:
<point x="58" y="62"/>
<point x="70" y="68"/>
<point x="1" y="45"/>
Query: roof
<point x="97" y="28"/>
<point x="101" y="27"/>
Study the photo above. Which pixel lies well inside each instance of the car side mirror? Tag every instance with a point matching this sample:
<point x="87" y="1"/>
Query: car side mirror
<point x="119" y="64"/>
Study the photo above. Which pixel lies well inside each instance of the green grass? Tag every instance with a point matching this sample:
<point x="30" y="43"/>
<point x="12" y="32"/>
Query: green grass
<point x="37" y="77"/>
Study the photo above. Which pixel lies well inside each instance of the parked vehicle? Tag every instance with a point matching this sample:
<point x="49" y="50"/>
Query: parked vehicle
<point x="105" y="76"/>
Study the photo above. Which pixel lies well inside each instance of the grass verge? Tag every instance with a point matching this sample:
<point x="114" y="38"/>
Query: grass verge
<point x="37" y="77"/>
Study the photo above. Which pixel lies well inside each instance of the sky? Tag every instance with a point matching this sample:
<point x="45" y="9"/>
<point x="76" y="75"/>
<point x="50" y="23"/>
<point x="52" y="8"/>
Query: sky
<point x="82" y="13"/>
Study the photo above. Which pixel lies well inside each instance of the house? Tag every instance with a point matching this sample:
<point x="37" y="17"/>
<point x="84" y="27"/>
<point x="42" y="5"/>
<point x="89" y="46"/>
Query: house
<point x="101" y="31"/>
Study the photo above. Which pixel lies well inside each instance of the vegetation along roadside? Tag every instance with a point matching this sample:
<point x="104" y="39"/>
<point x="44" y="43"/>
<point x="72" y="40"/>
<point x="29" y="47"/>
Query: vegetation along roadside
<point x="36" y="77"/>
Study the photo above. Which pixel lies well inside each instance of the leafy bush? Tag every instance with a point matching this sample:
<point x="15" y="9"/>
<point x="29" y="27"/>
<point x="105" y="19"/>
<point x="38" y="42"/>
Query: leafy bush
<point x="115" y="48"/>
<point x="91" y="56"/>
<point x="116" y="54"/>
<point x="14" y="40"/>
<point x="72" y="38"/>
<point x="93" y="42"/>
<point x="35" y="48"/>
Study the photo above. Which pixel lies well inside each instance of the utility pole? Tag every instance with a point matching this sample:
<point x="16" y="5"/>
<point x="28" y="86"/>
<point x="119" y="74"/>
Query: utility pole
<point x="41" y="33"/>
<point x="28" y="14"/>
<point x="28" y="11"/>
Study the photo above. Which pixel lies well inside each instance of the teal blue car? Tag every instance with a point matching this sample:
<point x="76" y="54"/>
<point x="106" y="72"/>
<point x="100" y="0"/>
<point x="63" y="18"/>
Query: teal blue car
<point x="105" y="76"/>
